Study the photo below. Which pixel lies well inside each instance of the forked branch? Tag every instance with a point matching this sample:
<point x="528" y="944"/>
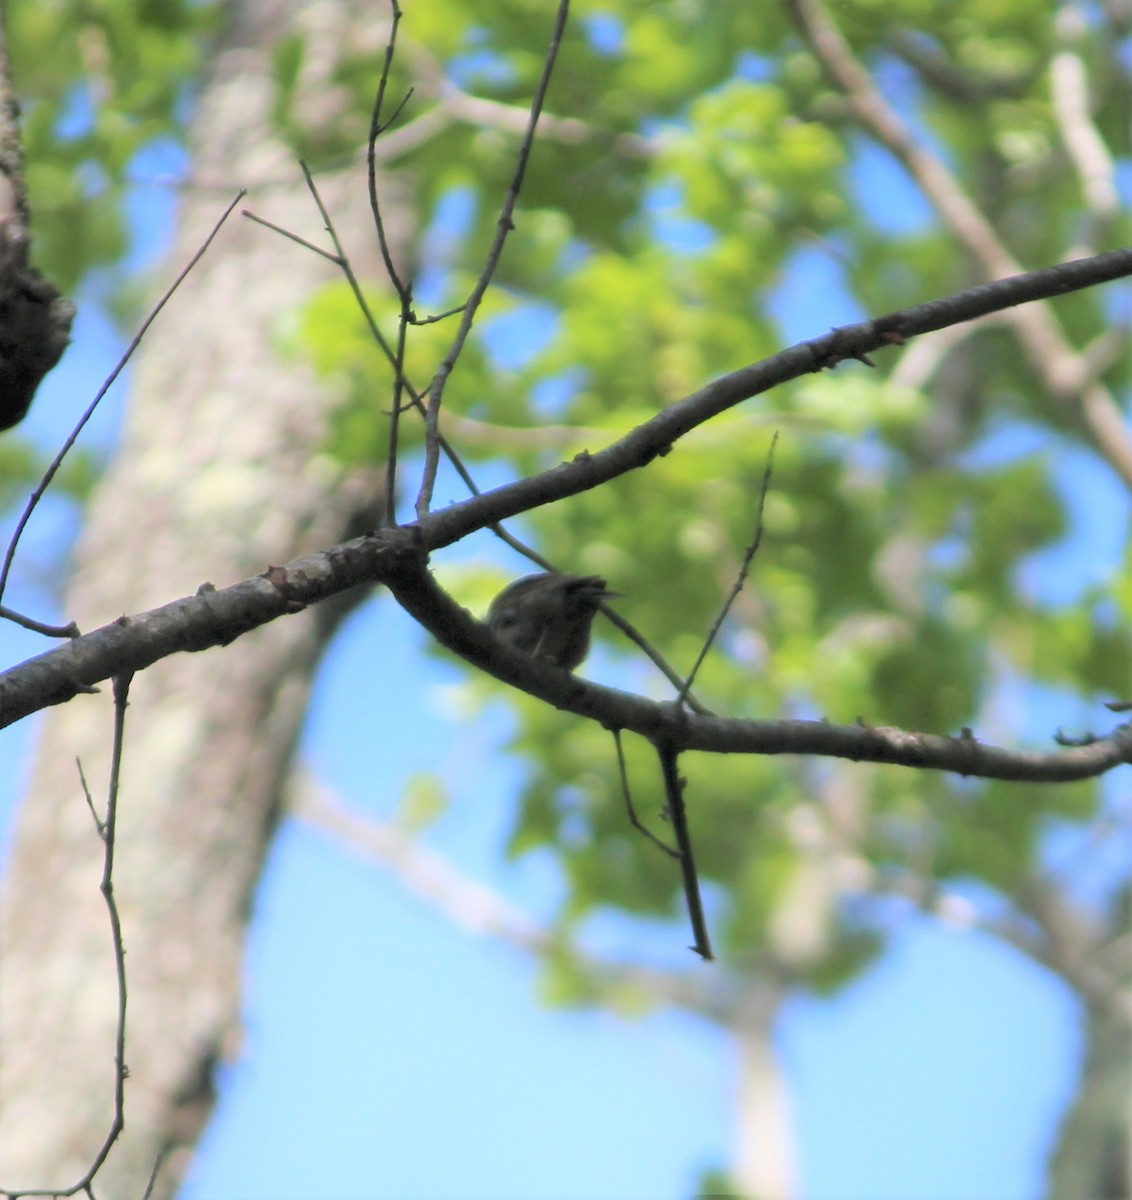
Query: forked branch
<point x="399" y="558"/>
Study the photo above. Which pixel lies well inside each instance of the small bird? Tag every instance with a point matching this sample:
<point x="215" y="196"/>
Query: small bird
<point x="548" y="616"/>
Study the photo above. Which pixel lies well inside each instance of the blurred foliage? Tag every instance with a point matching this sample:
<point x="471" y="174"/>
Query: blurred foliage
<point x="904" y="519"/>
<point x="98" y="81"/>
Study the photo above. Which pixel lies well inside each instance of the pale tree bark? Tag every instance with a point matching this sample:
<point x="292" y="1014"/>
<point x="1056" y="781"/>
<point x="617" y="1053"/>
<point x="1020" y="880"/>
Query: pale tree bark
<point x="221" y="473"/>
<point x="799" y="935"/>
<point x="765" y="1166"/>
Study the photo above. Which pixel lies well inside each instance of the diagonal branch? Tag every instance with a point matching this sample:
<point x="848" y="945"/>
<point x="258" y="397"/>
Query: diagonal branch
<point x="399" y="558"/>
<point x="740" y="579"/>
<point x="217" y="617"/>
<point x="80" y="424"/>
<point x="1064" y="372"/>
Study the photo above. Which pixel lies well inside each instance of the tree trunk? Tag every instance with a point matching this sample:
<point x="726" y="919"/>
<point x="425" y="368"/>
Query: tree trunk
<point x="221" y="473"/>
<point x="1091" y="1157"/>
<point x="764" y="1163"/>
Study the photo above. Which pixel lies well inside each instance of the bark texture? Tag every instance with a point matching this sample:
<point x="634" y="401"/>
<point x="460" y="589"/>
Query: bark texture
<point x="35" y="320"/>
<point x="221" y="473"/>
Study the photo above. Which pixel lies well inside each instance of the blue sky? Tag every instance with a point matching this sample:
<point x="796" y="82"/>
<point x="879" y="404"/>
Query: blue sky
<point x="388" y="1053"/>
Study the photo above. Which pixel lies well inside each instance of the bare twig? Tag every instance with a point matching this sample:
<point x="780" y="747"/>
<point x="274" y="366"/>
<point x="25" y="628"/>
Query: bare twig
<point x="98" y="823"/>
<point x="471" y="308"/>
<point x="674" y="790"/>
<point x="403" y="321"/>
<point x="376" y="129"/>
<point x="340" y="259"/>
<point x="655" y="657"/>
<point x="403" y="289"/>
<point x="157" y="1164"/>
<point x="57" y="631"/>
<point x="398" y="557"/>
<point x="107" y="831"/>
<point x="337" y="259"/>
<point x="73" y="436"/>
<point x="740" y="578"/>
<point x="626" y="792"/>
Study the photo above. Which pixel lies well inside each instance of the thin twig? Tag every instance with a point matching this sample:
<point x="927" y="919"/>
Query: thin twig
<point x="435" y="318"/>
<point x="341" y="260"/>
<point x="98" y="824"/>
<point x="404" y="318"/>
<point x="107" y="831"/>
<point x="158" y="1161"/>
<point x="657" y="659"/>
<point x="628" y="796"/>
<point x="403" y="289"/>
<point x="674" y="790"/>
<point x="70" y="630"/>
<point x="57" y="462"/>
<point x="740" y="579"/>
<point x="376" y="128"/>
<point x="503" y="228"/>
<point x="336" y="259"/>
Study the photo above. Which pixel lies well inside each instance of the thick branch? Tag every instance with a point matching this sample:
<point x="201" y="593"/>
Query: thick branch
<point x="214" y="618"/>
<point x="397" y="557"/>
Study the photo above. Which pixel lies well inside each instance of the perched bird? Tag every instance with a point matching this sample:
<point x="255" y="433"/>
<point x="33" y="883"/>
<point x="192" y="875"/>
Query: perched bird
<point x="549" y="615"/>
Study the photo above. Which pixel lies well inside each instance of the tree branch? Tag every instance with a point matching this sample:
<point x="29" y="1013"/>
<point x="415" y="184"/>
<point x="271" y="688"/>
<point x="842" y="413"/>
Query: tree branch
<point x="1061" y="369"/>
<point x="1069" y="98"/>
<point x="398" y="558"/>
<point x="395" y="557"/>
